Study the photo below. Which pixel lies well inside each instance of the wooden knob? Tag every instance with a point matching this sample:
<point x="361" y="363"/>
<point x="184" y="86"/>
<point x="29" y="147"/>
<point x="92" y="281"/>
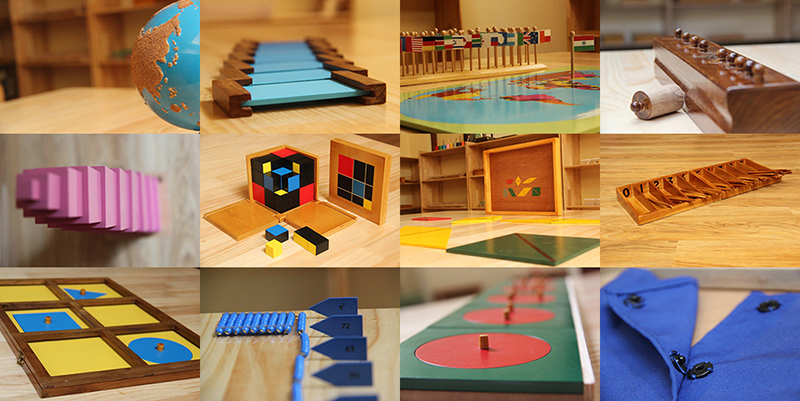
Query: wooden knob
<point x="686" y="37"/>
<point x="748" y="66"/>
<point x="510" y="307"/>
<point x="722" y="54"/>
<point x="739" y="62"/>
<point x="484" y="341"/>
<point x="48" y="320"/>
<point x="694" y="40"/>
<point x="506" y="315"/>
<point x="703" y="45"/>
<point x="83" y="291"/>
<point x="758" y="73"/>
<point x="667" y="99"/>
<point x="732" y="57"/>
<point x="678" y="33"/>
<point x="159" y="347"/>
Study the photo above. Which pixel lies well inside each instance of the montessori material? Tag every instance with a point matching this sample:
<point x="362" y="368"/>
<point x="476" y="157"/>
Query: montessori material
<point x="531" y="248"/>
<point x="654" y="199"/>
<point x="255" y="323"/>
<point x="481" y="352"/>
<point x="719" y="89"/>
<point x="359" y="180"/>
<point x="476" y="220"/>
<point x="90" y="199"/>
<point x="524" y="178"/>
<point x="274" y="248"/>
<point x="310" y="240"/>
<point x="277" y="73"/>
<point x="165" y="64"/>
<point x="426" y="237"/>
<point x="87" y="334"/>
<point x="277" y="232"/>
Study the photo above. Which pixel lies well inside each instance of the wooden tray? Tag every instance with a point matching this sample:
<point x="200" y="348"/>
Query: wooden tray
<point x="322" y="217"/>
<point x="654" y="199"/>
<point x="49" y="294"/>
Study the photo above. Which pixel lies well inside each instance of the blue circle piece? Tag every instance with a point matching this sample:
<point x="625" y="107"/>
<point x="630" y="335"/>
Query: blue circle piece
<point x="173" y="352"/>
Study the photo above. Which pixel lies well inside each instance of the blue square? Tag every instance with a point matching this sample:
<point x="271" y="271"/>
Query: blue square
<point x="32" y="322"/>
<point x="294" y="183"/>
<point x="276" y="230"/>
<point x="76" y="294"/>
<point x="358" y="188"/>
<point x="282" y="171"/>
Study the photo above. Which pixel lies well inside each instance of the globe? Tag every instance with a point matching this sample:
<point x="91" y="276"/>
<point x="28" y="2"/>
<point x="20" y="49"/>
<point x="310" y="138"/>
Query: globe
<point x="165" y="64"/>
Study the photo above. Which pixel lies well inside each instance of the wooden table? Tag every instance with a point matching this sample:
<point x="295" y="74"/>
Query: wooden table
<point x="368" y="42"/>
<point x="414" y="256"/>
<point x="757" y="229"/>
<point x="173" y="158"/>
<point x="416" y="318"/>
<point x="224" y="182"/>
<point x="175" y="291"/>
<point x="625" y="72"/>
<point x="83" y="111"/>
<point x="261" y="367"/>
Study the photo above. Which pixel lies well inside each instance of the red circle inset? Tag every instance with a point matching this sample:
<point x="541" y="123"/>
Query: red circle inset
<point x="522" y="299"/>
<point x="463" y="351"/>
<point x="550" y="287"/>
<point x="518" y="316"/>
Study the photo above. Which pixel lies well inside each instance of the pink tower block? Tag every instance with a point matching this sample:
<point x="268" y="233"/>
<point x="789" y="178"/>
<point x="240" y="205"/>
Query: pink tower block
<point x="38" y="191"/>
<point x="136" y="202"/>
<point x="103" y="201"/>
<point x="145" y="201"/>
<point x="155" y="210"/>
<point x="91" y="198"/>
<point x="124" y="200"/>
<point x="68" y="197"/>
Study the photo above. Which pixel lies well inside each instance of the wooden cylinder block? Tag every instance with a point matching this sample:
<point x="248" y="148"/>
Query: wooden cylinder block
<point x="510" y="307"/>
<point x="159" y="347"/>
<point x="83" y="291"/>
<point x="667" y="99"/>
<point x="48" y="320"/>
<point x="484" y="341"/>
<point x="507" y="314"/>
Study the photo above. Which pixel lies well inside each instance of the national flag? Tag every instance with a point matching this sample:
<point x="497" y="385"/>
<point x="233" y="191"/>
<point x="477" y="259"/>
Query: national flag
<point x="477" y="41"/>
<point x="428" y="43"/>
<point x="493" y="38"/>
<point x="439" y="42"/>
<point x="402" y="43"/>
<point x="511" y="39"/>
<point x="415" y="46"/>
<point x="520" y="38"/>
<point x="461" y="42"/>
<point x="544" y="36"/>
<point x="583" y="43"/>
<point x="448" y="42"/>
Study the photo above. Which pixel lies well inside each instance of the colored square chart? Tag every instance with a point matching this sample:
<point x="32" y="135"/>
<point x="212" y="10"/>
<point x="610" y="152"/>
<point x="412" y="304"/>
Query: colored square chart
<point x="75" y="356"/>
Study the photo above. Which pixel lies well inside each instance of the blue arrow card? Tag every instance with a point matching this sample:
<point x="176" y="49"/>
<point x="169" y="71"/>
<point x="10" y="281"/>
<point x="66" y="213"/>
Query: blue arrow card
<point x="337" y="306"/>
<point x="357" y="398"/>
<point x="344" y="348"/>
<point x="347" y="374"/>
<point x="343" y="325"/>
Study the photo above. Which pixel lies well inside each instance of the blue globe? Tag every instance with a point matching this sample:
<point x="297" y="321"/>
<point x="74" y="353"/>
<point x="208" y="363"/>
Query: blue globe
<point x="165" y="63"/>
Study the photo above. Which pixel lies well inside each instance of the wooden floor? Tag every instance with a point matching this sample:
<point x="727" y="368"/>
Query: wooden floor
<point x="175" y="292"/>
<point x="756" y="229"/>
<point x="413" y="256"/>
<point x="625" y="72"/>
<point x="174" y="158"/>
<point x="83" y="111"/>
<point x="369" y="42"/>
<point x="261" y="367"/>
<point x="224" y="182"/>
<point x="552" y="60"/>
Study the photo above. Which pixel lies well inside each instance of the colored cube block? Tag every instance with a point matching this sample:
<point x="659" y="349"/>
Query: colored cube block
<point x="272" y="181"/>
<point x="293" y="182"/>
<point x="306" y="194"/>
<point x="274" y="248"/>
<point x="284" y="201"/>
<point x="258" y="193"/>
<point x="304" y="166"/>
<point x="277" y="232"/>
<point x="311" y="240"/>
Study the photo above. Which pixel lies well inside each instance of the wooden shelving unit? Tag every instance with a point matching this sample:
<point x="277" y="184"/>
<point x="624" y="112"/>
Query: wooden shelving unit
<point x="68" y="43"/>
<point x="441" y="189"/>
<point x="409" y="186"/>
<point x="775" y="20"/>
<point x="8" y="69"/>
<point x="580" y="181"/>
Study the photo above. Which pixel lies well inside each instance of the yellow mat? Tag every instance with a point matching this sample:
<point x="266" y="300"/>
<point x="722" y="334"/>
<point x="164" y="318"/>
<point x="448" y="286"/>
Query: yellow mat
<point x="26" y="293"/>
<point x="120" y="315"/>
<point x="426" y="237"/>
<point x="554" y="221"/>
<point x="80" y="355"/>
<point x="102" y="288"/>
<point x="478" y="220"/>
<point x="167" y="335"/>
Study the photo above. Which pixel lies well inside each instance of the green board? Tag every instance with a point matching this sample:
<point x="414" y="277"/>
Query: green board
<point x="530" y="248"/>
<point x="562" y="318"/>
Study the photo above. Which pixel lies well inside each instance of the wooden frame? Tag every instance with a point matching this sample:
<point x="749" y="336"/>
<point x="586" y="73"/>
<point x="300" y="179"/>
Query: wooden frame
<point x="534" y="154"/>
<point x="382" y="163"/>
<point x="139" y="372"/>
<point x="273" y="150"/>
<point x="654" y="199"/>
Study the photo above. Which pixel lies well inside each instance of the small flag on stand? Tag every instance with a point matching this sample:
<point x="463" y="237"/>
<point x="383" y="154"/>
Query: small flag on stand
<point x="544" y="36"/>
<point x="583" y="43"/>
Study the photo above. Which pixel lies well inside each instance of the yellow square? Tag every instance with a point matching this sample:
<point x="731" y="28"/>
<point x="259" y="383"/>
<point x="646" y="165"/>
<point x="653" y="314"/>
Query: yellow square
<point x="280" y="192"/>
<point x="120" y="315"/>
<point x="367" y="204"/>
<point x="68" y="311"/>
<point x="300" y="240"/>
<point x="296" y="168"/>
<point x="79" y="355"/>
<point x="274" y="248"/>
<point x="26" y="293"/>
<point x="267" y="167"/>
<point x="102" y="288"/>
<point x="167" y="335"/>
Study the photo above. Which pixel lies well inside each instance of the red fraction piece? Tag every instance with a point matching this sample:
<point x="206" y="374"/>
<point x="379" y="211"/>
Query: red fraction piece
<point x="519" y="316"/>
<point x="284" y="153"/>
<point x="547" y="287"/>
<point x="345" y="166"/>
<point x="431" y="218"/>
<point x="522" y="299"/>
<point x="463" y="351"/>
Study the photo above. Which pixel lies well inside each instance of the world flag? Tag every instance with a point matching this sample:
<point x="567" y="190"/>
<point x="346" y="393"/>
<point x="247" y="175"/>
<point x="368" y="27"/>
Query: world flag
<point x="428" y="43"/>
<point x="448" y="42"/>
<point x="477" y="41"/>
<point x="511" y="39"/>
<point x="583" y="43"/>
<point x="415" y="45"/>
<point x="544" y="36"/>
<point x="462" y="42"/>
<point x="439" y="42"/>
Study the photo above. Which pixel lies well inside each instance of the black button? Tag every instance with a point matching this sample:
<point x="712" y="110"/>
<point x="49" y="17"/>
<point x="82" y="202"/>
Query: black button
<point x="769" y="306"/>
<point x="678" y="361"/>
<point x="700" y="370"/>
<point x="634" y="301"/>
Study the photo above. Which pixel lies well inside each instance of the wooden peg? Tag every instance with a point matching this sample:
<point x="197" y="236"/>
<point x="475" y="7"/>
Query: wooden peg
<point x="667" y="99"/>
<point x="48" y="320"/>
<point x="758" y="74"/>
<point x="748" y="66"/>
<point x="703" y="45"/>
<point x="484" y="341"/>
<point x="159" y="347"/>
<point x="83" y="291"/>
<point x="739" y="63"/>
<point x="510" y="306"/>
<point x="732" y="57"/>
<point x="694" y="40"/>
<point x="506" y="314"/>
<point x="722" y="54"/>
<point x="686" y="37"/>
<point x="678" y="33"/>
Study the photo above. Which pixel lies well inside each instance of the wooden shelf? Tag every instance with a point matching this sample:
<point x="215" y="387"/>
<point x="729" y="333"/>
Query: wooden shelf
<point x="477" y="176"/>
<point x="583" y="207"/>
<point x="582" y="166"/>
<point x="410" y="183"/>
<point x="443" y="152"/>
<point x="443" y="206"/>
<point x="57" y="60"/>
<point x="443" y="179"/>
<point x="56" y="15"/>
<point x="121" y="9"/>
<point x="116" y="62"/>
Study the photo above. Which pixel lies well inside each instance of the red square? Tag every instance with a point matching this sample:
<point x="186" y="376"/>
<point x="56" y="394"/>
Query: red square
<point x="258" y="193"/>
<point x="284" y="153"/>
<point x="345" y="166"/>
<point x="306" y="194"/>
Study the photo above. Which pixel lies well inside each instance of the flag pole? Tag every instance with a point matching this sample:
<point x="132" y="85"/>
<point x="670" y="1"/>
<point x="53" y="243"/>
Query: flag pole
<point x="494" y="30"/>
<point x="478" y="31"/>
<point x="461" y="33"/>
<point x="572" y="56"/>
<point x="519" y="45"/>
<point x="535" y="54"/>
<point x="469" y="32"/>
<point x="403" y="55"/>
<point x="528" y="47"/>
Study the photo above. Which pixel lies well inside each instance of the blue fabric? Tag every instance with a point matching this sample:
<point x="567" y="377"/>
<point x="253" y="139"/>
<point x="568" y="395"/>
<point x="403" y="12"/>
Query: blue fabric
<point x="756" y="356"/>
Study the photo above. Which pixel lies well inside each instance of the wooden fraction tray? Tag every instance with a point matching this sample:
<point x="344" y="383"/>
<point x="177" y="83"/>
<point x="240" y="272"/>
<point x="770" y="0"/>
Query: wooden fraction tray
<point x="88" y="334"/>
<point x="723" y="95"/>
<point x="654" y="199"/>
<point x="276" y="73"/>
<point x="539" y="353"/>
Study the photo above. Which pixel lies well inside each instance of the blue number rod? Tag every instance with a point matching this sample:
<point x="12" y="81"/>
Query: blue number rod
<point x="264" y="95"/>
